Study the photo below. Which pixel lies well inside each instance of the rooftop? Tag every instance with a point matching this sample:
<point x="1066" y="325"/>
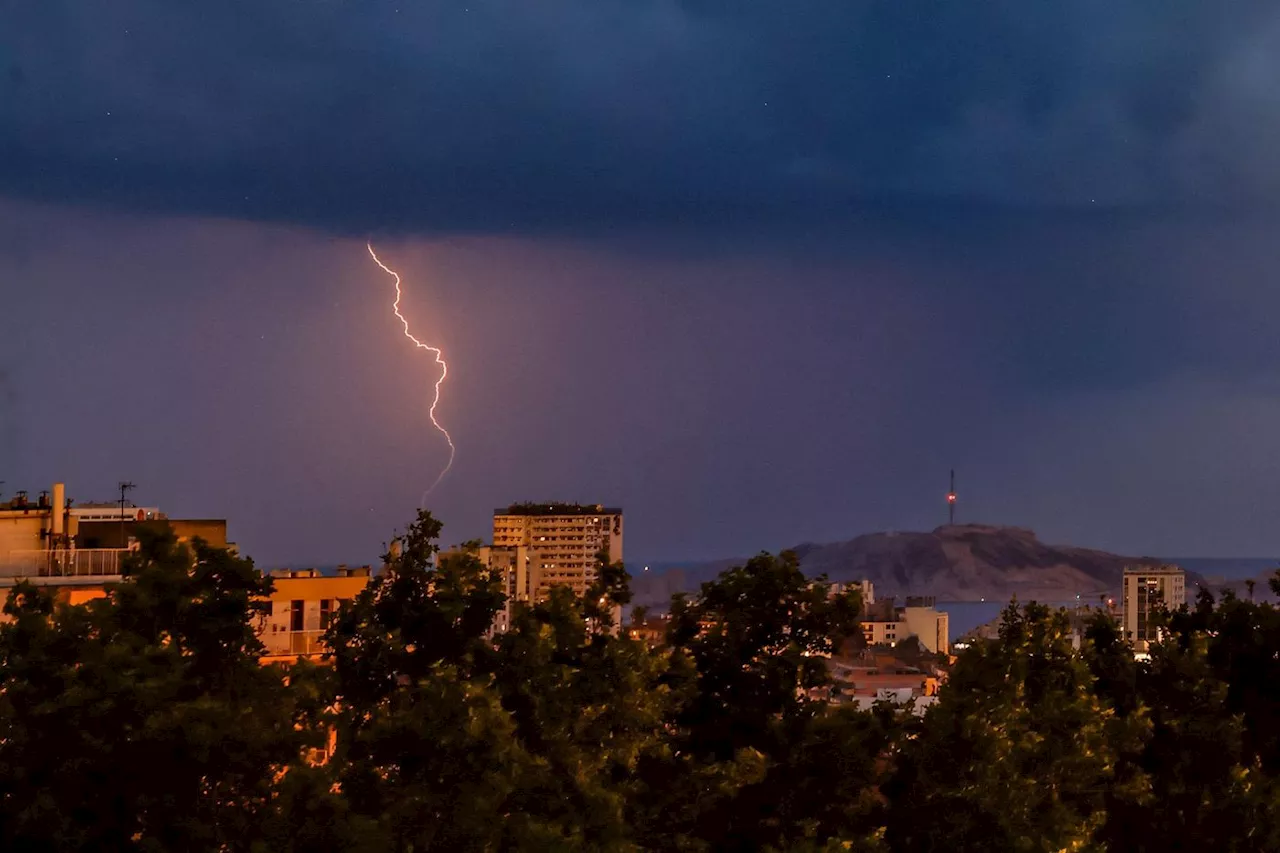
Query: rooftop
<point x="557" y="508"/>
<point x="1154" y="570"/>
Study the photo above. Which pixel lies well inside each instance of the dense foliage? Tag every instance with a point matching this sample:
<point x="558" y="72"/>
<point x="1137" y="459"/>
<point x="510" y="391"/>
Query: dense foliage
<point x="143" y="721"/>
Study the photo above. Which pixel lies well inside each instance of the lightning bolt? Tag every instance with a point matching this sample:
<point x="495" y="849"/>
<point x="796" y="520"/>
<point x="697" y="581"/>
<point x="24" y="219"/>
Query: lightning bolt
<point x="444" y="371"/>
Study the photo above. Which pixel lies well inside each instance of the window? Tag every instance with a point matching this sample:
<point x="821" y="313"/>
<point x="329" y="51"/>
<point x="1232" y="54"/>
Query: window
<point x="295" y="615"/>
<point x="326" y="613"/>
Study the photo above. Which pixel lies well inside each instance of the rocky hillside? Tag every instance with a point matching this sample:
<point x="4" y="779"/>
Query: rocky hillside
<point x="969" y="561"/>
<point x="955" y="563"/>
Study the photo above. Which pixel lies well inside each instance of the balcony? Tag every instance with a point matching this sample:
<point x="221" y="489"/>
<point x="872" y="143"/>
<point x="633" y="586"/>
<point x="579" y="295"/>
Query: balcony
<point x="294" y="643"/>
<point x="77" y="563"/>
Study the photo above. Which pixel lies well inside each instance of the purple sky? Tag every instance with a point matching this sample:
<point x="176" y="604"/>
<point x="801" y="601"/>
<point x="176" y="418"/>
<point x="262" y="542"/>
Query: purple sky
<point x="757" y="277"/>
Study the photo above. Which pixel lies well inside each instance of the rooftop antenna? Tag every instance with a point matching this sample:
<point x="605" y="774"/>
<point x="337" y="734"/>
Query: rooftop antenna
<point x="951" y="499"/>
<point x="124" y="486"/>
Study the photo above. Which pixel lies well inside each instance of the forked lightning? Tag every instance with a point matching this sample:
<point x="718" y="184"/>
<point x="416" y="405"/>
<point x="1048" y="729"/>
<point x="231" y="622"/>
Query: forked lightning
<point x="444" y="370"/>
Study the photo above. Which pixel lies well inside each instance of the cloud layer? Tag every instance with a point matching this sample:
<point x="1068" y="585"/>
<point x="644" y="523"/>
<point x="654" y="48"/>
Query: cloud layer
<point x="504" y="114"/>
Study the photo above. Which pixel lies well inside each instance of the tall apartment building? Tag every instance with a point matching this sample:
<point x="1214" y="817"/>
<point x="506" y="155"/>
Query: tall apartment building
<point x="562" y="541"/>
<point x="1147" y="590"/>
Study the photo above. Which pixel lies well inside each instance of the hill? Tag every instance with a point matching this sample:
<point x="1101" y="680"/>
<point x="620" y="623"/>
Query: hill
<point x="954" y="563"/>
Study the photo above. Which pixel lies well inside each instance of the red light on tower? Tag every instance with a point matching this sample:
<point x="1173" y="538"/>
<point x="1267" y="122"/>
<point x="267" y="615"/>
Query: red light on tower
<point x="951" y="499"/>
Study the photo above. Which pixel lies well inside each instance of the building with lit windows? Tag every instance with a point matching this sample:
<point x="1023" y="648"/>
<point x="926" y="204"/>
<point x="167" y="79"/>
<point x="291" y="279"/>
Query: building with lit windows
<point x="562" y="541"/>
<point x="1148" y="590"/>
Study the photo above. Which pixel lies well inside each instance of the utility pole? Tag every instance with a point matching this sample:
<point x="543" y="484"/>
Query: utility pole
<point x="124" y="486"/>
<point x="951" y="499"/>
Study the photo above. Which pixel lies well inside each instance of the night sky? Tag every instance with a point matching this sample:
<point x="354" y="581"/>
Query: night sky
<point x="759" y="273"/>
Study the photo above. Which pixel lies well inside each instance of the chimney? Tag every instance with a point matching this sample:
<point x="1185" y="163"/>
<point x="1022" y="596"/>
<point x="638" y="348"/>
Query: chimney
<point x="59" y="511"/>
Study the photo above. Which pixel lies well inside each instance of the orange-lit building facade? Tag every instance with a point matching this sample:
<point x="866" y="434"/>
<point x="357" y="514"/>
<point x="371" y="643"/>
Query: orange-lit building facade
<point x="51" y="538"/>
<point x="303" y="605"/>
<point x="79" y="549"/>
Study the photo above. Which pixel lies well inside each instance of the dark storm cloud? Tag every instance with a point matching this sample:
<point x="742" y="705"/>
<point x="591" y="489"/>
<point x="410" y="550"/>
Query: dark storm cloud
<point x="501" y="114"/>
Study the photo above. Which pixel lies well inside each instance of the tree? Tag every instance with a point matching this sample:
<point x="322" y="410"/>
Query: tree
<point x="758" y="638"/>
<point x="753" y="738"/>
<point x="1016" y="755"/>
<point x="1209" y="691"/>
<point x="1110" y="660"/>
<point x="452" y="739"/>
<point x="424" y="749"/>
<point x="143" y="719"/>
<point x="587" y="706"/>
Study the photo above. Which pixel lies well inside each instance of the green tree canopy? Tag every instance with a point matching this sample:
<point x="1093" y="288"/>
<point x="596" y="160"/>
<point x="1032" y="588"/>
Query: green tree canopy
<point x="143" y="720"/>
<point x="753" y="738"/>
<point x="1017" y="754"/>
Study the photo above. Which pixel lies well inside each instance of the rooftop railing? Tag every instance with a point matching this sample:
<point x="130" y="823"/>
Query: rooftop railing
<point x="80" y="562"/>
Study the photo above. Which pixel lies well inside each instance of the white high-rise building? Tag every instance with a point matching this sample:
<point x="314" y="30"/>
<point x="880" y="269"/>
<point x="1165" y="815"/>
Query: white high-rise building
<point x="1148" y="589"/>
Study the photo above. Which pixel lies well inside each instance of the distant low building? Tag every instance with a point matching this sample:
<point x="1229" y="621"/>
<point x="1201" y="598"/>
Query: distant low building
<point x="919" y="705"/>
<point x="876" y="678"/>
<point x="886" y="624"/>
<point x="652" y="630"/>
<point x="866" y="589"/>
